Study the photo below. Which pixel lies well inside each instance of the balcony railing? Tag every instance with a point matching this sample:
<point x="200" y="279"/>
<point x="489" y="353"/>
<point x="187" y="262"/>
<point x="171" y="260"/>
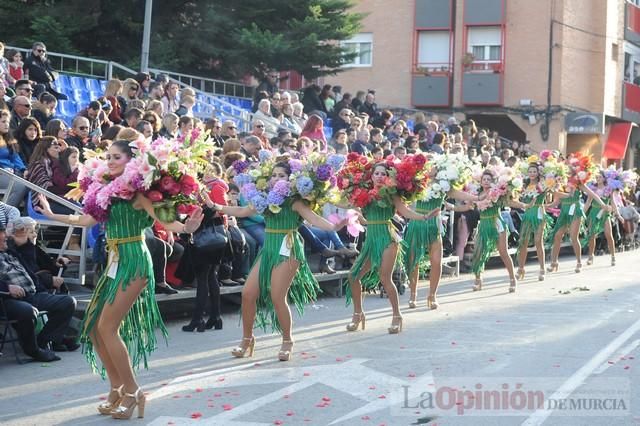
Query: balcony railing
<point x="484" y="66"/>
<point x="433" y="68"/>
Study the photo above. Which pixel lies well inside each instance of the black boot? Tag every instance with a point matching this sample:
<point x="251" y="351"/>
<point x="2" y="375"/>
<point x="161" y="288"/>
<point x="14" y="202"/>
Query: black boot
<point x="215" y="323"/>
<point x="193" y="325"/>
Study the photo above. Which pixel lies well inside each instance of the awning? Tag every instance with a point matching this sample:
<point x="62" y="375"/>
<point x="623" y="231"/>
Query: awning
<point x="616" y="146"/>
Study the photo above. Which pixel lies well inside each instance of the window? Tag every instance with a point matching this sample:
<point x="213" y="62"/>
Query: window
<point x="636" y="2"/>
<point x="485" y="44"/>
<point x="433" y="53"/>
<point x="361" y="45"/>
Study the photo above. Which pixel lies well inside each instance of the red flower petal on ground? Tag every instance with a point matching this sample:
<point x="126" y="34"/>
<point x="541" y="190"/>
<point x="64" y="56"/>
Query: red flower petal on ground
<point x="306" y="374"/>
<point x="199" y="390"/>
<point x="277" y="422"/>
<point x="290" y="413"/>
<point x="326" y="398"/>
<point x="196" y="415"/>
<point x="227" y="407"/>
<point x="365" y="418"/>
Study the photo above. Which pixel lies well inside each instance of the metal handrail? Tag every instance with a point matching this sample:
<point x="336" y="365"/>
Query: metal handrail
<point x="100" y="68"/>
<point x="79" y="65"/>
<point x="237" y="90"/>
<point x="64" y="202"/>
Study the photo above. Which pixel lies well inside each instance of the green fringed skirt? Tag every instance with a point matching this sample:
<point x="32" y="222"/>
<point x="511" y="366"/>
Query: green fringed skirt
<point x="486" y="239"/>
<point x="304" y="287"/>
<point x="596" y="219"/>
<point x="568" y="215"/>
<point x="533" y="217"/>
<point x="421" y="234"/>
<point x="138" y="327"/>
<point x="380" y="235"/>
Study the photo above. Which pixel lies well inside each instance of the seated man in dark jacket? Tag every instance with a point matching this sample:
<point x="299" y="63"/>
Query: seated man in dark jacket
<point x="29" y="294"/>
<point x="39" y="69"/>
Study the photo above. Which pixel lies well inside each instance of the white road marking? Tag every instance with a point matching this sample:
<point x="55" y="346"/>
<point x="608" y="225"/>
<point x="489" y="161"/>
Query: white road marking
<point x="579" y="377"/>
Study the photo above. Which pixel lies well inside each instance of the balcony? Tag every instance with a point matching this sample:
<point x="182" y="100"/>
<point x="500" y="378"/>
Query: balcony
<point x="631" y="102"/>
<point x="431" y="84"/>
<point x="482" y="82"/>
<point x="632" y="27"/>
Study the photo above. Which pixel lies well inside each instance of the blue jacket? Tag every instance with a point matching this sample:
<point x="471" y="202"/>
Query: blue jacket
<point x="11" y="160"/>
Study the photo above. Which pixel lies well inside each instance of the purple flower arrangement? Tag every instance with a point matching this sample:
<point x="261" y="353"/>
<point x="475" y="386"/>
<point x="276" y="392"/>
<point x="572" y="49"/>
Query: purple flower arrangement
<point x="311" y="179"/>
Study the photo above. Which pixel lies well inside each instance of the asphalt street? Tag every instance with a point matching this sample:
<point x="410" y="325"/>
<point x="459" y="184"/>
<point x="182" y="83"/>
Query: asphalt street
<point x="482" y="358"/>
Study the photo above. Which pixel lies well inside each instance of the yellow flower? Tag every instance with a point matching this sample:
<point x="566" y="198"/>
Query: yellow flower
<point x="533" y="159"/>
<point x="261" y="184"/>
<point x="274" y="209"/>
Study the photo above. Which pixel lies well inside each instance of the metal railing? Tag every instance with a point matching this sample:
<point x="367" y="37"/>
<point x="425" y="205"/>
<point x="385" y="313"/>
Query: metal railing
<point x="64" y="249"/>
<point x="209" y="85"/>
<point x="105" y="70"/>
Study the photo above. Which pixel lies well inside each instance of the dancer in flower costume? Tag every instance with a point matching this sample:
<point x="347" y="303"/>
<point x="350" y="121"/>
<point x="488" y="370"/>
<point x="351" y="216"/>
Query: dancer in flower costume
<point x="580" y="172"/>
<point x="285" y="192"/>
<point x="446" y="176"/>
<point x="372" y="188"/>
<point x="609" y="183"/>
<point x="499" y="186"/>
<point x="133" y="185"/>
<point x="545" y="175"/>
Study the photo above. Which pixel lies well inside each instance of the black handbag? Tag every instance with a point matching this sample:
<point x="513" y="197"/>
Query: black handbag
<point x="211" y="238"/>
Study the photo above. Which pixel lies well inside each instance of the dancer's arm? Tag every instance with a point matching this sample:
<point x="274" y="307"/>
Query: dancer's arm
<point x="189" y="226"/>
<point x="244" y="211"/>
<point x="44" y="208"/>
<point x="465" y="196"/>
<point x="594" y="196"/>
<point x="587" y="203"/>
<point x="405" y="211"/>
<point x="314" y="219"/>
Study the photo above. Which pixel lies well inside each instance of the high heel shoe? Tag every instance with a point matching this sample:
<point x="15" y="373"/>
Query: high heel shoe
<point x="541" y="275"/>
<point x="613" y="261"/>
<point x="108" y="406"/>
<point x="358" y="318"/>
<point x="395" y="328"/>
<point x="578" y="267"/>
<point x="432" y="303"/>
<point x="193" y="325"/>
<point x="478" y="285"/>
<point x="125" y="412"/>
<point x="241" y="351"/>
<point x="590" y="261"/>
<point x="412" y="302"/>
<point x="553" y="267"/>
<point x="285" y="354"/>
<point x="213" y="323"/>
<point x="520" y="274"/>
<point x="513" y="283"/>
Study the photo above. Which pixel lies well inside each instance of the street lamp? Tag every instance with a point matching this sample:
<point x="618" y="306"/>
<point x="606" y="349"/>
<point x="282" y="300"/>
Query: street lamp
<point x="146" y="35"/>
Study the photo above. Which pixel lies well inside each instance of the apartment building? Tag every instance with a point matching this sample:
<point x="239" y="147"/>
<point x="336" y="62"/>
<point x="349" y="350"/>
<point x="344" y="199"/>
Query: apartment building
<point x="562" y="74"/>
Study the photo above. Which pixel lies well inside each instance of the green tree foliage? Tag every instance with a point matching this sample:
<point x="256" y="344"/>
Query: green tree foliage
<point x="218" y="38"/>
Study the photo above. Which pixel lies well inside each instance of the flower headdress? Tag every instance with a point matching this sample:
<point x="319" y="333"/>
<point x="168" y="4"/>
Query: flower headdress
<point x="312" y="180"/>
<point x="506" y="183"/>
<point x="354" y="180"/>
<point x="165" y="171"/>
<point x="581" y="169"/>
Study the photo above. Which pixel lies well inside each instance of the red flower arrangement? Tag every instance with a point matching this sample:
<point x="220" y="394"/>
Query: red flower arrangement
<point x="411" y="177"/>
<point x="354" y="181"/>
<point x="581" y="169"/>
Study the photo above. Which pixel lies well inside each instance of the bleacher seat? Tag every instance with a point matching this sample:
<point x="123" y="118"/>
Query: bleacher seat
<point x="81" y="97"/>
<point x="328" y="132"/>
<point x="245" y="104"/>
<point x="67" y="108"/>
<point x="63" y="82"/>
<point x="78" y="83"/>
<point x="94" y="85"/>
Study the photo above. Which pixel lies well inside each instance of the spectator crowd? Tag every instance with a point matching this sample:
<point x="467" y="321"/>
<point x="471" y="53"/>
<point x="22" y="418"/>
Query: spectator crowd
<point x="47" y="151"/>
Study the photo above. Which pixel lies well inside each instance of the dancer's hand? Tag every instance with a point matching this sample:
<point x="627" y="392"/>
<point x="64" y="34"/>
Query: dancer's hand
<point x="433" y="213"/>
<point x="194" y="221"/>
<point x="343" y="222"/>
<point x="43" y="206"/>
